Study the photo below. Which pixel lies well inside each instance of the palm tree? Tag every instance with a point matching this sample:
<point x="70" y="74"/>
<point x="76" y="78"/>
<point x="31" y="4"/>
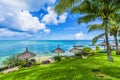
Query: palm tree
<point x="113" y="30"/>
<point x="92" y="9"/>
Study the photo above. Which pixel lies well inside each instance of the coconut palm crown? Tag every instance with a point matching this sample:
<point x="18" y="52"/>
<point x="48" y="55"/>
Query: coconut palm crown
<point x="93" y="9"/>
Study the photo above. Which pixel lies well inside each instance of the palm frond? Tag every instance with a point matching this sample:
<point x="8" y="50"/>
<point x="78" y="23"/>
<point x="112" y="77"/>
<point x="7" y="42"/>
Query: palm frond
<point x="95" y="39"/>
<point x="86" y="18"/>
<point x="63" y="5"/>
<point x="95" y="27"/>
<point x="85" y="7"/>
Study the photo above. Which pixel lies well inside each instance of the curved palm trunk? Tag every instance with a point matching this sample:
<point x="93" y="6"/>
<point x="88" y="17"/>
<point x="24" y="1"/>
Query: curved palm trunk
<point x="107" y="41"/>
<point x="116" y="44"/>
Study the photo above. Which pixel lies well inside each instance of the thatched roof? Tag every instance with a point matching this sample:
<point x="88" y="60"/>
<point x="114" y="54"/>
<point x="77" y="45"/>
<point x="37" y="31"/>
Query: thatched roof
<point x="26" y="55"/>
<point x="102" y="44"/>
<point x="75" y="50"/>
<point x="58" y="50"/>
<point x="112" y="44"/>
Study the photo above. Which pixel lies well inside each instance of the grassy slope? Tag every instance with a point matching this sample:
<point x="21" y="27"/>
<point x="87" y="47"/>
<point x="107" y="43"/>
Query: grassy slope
<point x="70" y="69"/>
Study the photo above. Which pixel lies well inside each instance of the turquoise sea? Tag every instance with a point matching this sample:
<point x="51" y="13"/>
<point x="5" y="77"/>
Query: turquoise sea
<point x="39" y="47"/>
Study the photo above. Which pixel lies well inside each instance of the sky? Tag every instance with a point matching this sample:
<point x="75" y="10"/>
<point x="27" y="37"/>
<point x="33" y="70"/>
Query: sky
<point x="37" y="20"/>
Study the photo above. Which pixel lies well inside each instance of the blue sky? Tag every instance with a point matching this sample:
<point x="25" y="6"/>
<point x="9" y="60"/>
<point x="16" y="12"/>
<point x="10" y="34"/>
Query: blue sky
<point x="37" y="20"/>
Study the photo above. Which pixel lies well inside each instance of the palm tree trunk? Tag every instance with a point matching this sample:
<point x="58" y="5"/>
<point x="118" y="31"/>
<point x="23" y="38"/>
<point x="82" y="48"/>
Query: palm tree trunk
<point x="107" y="41"/>
<point x="116" y="44"/>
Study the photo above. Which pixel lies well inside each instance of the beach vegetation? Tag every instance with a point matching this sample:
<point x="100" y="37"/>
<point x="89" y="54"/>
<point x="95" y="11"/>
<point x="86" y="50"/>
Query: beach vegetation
<point x="78" y="54"/>
<point x="86" y="49"/>
<point x="98" y="49"/>
<point x="92" y="53"/>
<point x="57" y="58"/>
<point x="93" y="68"/>
<point x="10" y="61"/>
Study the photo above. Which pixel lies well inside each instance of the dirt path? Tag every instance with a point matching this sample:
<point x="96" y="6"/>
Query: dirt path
<point x="10" y="70"/>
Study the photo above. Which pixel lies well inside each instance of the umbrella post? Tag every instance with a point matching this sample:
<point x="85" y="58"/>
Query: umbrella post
<point x="26" y="62"/>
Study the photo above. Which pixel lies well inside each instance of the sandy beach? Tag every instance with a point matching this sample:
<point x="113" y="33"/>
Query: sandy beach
<point x="39" y="59"/>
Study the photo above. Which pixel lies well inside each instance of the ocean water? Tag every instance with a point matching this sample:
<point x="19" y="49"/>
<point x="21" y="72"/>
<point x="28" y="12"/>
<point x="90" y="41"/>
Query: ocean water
<point x="39" y="47"/>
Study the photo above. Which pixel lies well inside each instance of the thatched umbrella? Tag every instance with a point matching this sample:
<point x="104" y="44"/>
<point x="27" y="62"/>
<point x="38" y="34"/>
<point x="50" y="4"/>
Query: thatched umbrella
<point x="26" y="55"/>
<point x="75" y="50"/>
<point x="112" y="44"/>
<point x="103" y="44"/>
<point x="58" y="50"/>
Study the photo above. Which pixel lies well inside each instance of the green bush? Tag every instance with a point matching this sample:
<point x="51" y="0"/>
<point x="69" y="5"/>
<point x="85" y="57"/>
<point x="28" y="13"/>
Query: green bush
<point x="91" y="53"/>
<point x="10" y="61"/>
<point x="57" y="58"/>
<point x="68" y="57"/>
<point x="86" y="49"/>
<point x="22" y="63"/>
<point x="98" y="49"/>
<point x="36" y="63"/>
<point x="78" y="54"/>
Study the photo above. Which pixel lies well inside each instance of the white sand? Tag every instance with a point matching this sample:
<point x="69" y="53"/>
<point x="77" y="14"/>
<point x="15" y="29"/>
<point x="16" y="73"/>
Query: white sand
<point x="43" y="58"/>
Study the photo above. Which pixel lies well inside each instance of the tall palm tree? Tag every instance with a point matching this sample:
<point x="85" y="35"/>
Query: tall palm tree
<point x="113" y="30"/>
<point x="92" y="9"/>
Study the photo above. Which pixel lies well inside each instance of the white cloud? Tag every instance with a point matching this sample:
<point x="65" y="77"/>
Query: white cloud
<point x="62" y="18"/>
<point x="8" y="33"/>
<point x="15" y="14"/>
<point x="53" y="18"/>
<point x="27" y="22"/>
<point x="47" y="30"/>
<point x="50" y="18"/>
<point x="79" y="35"/>
<point x="82" y="36"/>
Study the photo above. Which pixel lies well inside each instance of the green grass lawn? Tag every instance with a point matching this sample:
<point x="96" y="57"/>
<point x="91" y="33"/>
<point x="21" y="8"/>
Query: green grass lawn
<point x="70" y="69"/>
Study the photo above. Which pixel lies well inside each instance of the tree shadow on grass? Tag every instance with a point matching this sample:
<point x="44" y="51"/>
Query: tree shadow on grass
<point x="111" y="71"/>
<point x="70" y="73"/>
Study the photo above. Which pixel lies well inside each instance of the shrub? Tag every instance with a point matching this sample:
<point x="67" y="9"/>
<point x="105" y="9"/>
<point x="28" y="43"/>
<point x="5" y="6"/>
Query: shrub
<point x="33" y="60"/>
<point x="68" y="57"/>
<point x="98" y="49"/>
<point x="78" y="54"/>
<point x="36" y="63"/>
<point x="91" y="53"/>
<point x="57" y="58"/>
<point x="86" y="49"/>
<point x="22" y="63"/>
<point x="10" y="61"/>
